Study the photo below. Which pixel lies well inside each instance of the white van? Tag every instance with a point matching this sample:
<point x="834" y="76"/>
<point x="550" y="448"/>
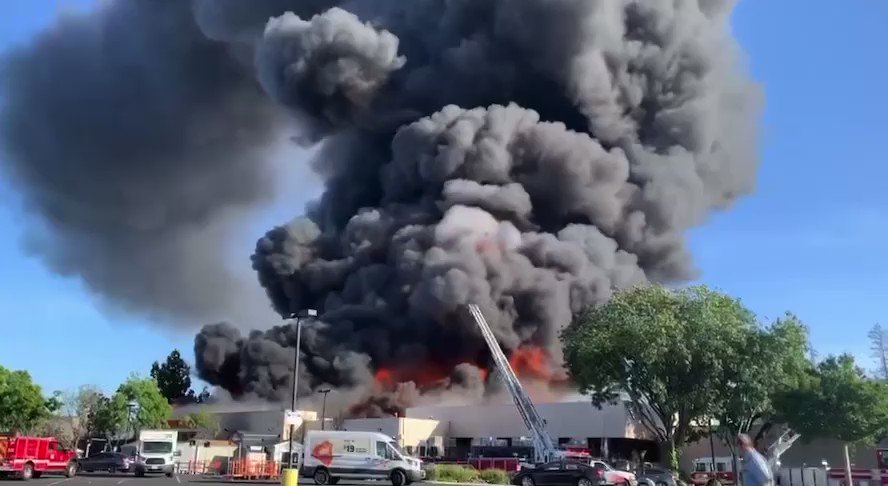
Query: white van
<point x="331" y="455"/>
<point x="157" y="452"/>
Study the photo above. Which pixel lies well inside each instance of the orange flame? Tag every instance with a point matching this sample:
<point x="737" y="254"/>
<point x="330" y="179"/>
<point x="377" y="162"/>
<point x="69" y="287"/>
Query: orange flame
<point x="383" y="376"/>
<point x="533" y="361"/>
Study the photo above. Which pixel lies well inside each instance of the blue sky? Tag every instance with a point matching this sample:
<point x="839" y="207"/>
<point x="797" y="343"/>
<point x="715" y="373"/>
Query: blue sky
<point x="809" y="240"/>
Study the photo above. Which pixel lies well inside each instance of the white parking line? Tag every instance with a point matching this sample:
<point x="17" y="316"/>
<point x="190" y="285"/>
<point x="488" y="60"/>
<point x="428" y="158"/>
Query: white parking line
<point x="177" y="480"/>
<point x="122" y="480"/>
<point x="57" y="482"/>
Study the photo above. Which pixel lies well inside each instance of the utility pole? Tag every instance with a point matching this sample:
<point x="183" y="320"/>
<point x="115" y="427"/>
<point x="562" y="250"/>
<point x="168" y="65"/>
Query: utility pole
<point x="324" y="408"/>
<point x="298" y="317"/>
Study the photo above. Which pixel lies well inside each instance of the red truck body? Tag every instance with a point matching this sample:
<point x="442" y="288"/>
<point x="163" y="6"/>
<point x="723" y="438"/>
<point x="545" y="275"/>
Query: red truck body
<point x="29" y="457"/>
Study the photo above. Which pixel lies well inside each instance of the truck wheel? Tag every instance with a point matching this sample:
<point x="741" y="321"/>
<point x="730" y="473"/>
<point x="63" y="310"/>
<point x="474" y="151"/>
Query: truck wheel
<point x="71" y="470"/>
<point x="321" y="476"/>
<point x="584" y="482"/>
<point x="398" y="477"/>
<point x="27" y="471"/>
<point x="527" y="481"/>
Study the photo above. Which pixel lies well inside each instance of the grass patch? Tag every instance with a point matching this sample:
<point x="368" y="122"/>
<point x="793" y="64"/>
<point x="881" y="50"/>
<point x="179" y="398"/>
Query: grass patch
<point x="494" y="476"/>
<point x="453" y="473"/>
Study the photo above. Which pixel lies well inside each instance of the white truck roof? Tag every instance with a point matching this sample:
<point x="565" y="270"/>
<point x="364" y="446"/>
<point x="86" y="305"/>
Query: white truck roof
<point x="352" y="433"/>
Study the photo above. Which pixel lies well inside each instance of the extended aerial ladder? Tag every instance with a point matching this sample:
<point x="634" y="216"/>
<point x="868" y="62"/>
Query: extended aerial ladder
<point x="781" y="445"/>
<point x="544" y="449"/>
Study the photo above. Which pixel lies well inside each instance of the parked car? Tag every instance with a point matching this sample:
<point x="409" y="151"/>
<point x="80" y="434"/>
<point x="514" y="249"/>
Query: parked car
<point x="105" y="461"/>
<point x="657" y="476"/>
<point x="613" y="475"/>
<point x="560" y="473"/>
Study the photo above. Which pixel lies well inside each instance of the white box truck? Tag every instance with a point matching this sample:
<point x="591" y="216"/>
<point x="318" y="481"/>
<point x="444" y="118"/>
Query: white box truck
<point x="156" y="452"/>
<point x="332" y="455"/>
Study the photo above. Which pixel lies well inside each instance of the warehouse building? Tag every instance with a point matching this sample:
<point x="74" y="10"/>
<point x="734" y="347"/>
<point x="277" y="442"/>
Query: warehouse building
<point x="457" y="431"/>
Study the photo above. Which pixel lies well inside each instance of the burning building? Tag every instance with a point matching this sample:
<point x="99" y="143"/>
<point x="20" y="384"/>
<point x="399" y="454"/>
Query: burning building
<point x="528" y="156"/>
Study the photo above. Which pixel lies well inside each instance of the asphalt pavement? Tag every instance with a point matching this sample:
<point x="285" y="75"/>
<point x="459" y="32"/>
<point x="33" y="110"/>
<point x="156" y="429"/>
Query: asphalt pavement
<point x="95" y="479"/>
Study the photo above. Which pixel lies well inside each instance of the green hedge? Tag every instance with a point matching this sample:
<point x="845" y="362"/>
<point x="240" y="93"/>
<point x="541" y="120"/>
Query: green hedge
<point x="465" y="474"/>
<point x="495" y="476"/>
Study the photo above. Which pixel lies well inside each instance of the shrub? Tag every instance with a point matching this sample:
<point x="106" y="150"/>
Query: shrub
<point x="495" y="476"/>
<point x="453" y="473"/>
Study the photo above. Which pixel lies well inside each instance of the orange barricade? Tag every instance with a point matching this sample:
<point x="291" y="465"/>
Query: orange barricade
<point x="247" y="469"/>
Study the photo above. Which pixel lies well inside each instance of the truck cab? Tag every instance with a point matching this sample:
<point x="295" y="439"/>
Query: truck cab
<point x="157" y="452"/>
<point x="30" y="457"/>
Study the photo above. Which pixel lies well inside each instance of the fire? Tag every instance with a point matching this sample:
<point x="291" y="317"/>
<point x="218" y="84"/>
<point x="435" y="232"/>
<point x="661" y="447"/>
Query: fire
<point x="533" y="361"/>
<point x="483" y="372"/>
<point x="383" y="376"/>
<point x="422" y="374"/>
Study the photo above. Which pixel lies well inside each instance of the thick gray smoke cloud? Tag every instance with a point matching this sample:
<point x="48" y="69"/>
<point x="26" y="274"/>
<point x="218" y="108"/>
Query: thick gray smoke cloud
<point x="530" y="156"/>
<point x="527" y="155"/>
<point x="136" y="141"/>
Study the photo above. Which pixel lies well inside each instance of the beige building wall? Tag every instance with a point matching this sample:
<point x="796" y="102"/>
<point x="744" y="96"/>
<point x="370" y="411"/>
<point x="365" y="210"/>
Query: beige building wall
<point x="411" y="432"/>
<point x="578" y="420"/>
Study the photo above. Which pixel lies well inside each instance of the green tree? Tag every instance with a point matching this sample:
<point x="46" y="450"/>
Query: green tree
<point x="173" y="377"/>
<point x="108" y="418"/>
<point x="78" y="407"/>
<point x="151" y="408"/>
<point x="768" y="361"/>
<point x="664" y="349"/>
<point x="206" y="424"/>
<point x="837" y="401"/>
<point x="22" y="404"/>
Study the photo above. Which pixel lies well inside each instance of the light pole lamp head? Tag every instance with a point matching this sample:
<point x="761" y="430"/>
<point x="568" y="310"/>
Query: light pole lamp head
<point x="325" y="391"/>
<point x="302" y="314"/>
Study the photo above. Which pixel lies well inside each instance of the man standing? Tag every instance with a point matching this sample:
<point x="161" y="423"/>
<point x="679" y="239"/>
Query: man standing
<point x="756" y="471"/>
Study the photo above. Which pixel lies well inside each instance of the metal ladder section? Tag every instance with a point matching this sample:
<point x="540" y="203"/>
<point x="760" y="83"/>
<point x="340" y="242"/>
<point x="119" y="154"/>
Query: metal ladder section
<point x="781" y="445"/>
<point x="543" y="447"/>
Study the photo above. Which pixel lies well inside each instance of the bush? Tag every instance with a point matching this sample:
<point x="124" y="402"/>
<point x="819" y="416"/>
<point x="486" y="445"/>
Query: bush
<point x="495" y="476"/>
<point x="453" y="473"/>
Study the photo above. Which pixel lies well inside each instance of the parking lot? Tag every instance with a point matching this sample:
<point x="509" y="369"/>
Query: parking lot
<point x="129" y="480"/>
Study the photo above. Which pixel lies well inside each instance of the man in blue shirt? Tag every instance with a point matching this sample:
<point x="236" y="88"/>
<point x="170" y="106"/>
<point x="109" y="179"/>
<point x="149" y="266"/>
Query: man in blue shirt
<point x="756" y="471"/>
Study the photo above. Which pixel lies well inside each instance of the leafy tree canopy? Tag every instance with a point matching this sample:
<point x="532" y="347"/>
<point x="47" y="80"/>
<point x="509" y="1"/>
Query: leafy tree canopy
<point x="837" y="401"/>
<point x="173" y="377"/>
<point x="767" y="361"/>
<point x="664" y="348"/>
<point x="22" y="404"/>
<point x="151" y="408"/>
<point x="206" y="424"/>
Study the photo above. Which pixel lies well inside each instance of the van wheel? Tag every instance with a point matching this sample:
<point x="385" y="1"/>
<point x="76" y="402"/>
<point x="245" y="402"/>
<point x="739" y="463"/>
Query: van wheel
<point x="71" y="470"/>
<point x="28" y="471"/>
<point x="321" y="476"/>
<point x="398" y="478"/>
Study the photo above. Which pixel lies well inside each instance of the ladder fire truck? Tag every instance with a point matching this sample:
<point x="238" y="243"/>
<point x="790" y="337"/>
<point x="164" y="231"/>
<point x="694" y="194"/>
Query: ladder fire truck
<point x="544" y="449"/>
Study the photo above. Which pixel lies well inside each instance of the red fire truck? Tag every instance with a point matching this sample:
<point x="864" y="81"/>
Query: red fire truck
<point x="30" y="457"/>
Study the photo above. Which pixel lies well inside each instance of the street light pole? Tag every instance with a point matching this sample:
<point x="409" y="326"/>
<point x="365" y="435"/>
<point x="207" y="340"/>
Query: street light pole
<point x="324" y="408"/>
<point x="306" y="313"/>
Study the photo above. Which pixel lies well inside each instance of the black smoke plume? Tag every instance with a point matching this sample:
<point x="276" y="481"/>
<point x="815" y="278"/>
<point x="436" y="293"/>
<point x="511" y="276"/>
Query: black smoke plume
<point x="135" y="139"/>
<point x="530" y="156"/>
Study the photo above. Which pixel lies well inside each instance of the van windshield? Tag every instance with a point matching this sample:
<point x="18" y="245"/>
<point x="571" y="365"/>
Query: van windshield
<point x="157" y="447"/>
<point x="395" y="452"/>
